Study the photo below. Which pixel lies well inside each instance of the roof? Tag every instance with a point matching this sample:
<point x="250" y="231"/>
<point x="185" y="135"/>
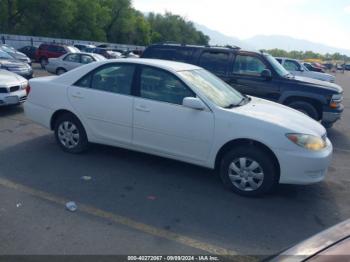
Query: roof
<point x="165" y="64"/>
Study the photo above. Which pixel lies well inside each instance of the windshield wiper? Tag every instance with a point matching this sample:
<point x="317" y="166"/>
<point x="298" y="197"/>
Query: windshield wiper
<point x="241" y="103"/>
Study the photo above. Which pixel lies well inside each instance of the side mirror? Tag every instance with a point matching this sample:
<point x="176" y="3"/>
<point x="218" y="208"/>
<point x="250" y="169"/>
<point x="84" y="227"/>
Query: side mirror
<point x="266" y="73"/>
<point x="194" y="103"/>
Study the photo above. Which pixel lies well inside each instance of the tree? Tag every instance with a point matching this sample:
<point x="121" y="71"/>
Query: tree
<point x="99" y="20"/>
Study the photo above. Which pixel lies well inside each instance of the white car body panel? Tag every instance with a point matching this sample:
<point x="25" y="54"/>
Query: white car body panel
<point x="177" y="132"/>
<point x="9" y="80"/>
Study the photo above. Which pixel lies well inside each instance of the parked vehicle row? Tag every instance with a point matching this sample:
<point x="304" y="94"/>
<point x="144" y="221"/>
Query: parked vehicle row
<point x="261" y="75"/>
<point x="52" y="50"/>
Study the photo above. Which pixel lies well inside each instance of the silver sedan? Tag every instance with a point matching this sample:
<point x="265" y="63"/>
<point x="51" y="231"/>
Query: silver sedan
<point x="70" y="61"/>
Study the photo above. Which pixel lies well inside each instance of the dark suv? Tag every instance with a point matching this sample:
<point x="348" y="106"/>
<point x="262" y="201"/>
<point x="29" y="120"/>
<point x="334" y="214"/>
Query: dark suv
<point x="46" y="51"/>
<point x="259" y="74"/>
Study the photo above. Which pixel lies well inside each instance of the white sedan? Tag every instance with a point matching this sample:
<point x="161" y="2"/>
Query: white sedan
<point x="13" y="88"/>
<point x="70" y="61"/>
<point x="183" y="112"/>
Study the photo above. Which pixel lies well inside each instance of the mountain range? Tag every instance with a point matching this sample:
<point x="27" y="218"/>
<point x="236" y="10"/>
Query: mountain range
<point x="269" y="42"/>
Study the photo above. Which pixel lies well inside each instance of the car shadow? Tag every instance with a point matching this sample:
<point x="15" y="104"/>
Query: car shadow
<point x="11" y="110"/>
<point x="176" y="196"/>
<point x="339" y="139"/>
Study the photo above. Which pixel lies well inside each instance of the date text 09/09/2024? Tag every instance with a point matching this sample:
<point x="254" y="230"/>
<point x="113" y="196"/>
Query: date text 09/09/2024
<point x="174" y="258"/>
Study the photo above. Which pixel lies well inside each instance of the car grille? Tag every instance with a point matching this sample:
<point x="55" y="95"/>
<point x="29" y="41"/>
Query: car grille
<point x="14" y="88"/>
<point x="3" y="90"/>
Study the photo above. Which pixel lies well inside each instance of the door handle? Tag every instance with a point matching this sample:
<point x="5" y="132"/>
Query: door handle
<point x="77" y="95"/>
<point x="142" y="108"/>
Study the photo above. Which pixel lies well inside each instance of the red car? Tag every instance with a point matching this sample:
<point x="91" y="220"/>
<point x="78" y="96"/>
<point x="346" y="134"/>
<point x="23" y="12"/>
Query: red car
<point x="46" y="51"/>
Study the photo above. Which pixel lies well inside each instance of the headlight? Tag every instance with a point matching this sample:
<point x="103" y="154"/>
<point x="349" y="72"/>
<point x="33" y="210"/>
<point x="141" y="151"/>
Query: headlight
<point x="310" y="142"/>
<point x="336" y="100"/>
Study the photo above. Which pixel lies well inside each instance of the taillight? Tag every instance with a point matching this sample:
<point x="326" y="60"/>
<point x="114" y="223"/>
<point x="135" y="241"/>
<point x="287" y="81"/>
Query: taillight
<point x="28" y="89"/>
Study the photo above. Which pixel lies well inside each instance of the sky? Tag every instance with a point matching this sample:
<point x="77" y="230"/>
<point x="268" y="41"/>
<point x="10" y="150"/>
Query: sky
<point x="321" y="21"/>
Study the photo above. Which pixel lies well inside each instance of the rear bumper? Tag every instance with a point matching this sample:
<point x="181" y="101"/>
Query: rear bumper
<point x="38" y="114"/>
<point x="304" y="167"/>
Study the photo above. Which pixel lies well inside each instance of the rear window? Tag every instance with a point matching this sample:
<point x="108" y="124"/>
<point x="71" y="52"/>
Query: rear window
<point x="42" y="47"/>
<point x="215" y="62"/>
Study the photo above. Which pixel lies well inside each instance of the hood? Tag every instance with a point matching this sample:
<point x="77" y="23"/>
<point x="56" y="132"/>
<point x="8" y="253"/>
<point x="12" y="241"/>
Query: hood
<point x="8" y="78"/>
<point x="321" y="76"/>
<point x="319" y="83"/>
<point x="292" y="120"/>
<point x="12" y="63"/>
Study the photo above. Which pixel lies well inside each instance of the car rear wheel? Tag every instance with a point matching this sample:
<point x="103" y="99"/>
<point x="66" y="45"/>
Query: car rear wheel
<point x="306" y="108"/>
<point x="43" y="62"/>
<point x="70" y="134"/>
<point x="249" y="171"/>
<point x="60" y="71"/>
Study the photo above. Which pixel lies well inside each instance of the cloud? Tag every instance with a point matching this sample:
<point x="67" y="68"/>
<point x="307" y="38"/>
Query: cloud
<point x="247" y="18"/>
<point x="347" y="9"/>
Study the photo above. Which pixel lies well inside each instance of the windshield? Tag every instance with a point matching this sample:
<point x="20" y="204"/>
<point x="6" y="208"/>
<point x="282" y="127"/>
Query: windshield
<point x="4" y="55"/>
<point x="212" y="87"/>
<point x="99" y="57"/>
<point x="73" y="49"/>
<point x="277" y="66"/>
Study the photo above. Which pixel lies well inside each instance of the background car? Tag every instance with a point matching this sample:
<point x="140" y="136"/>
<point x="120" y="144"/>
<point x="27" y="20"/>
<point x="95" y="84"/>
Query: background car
<point x="82" y="47"/>
<point x="29" y="51"/>
<point x="107" y="53"/>
<point x="16" y="54"/>
<point x="70" y="61"/>
<point x="46" y="51"/>
<point x="313" y="68"/>
<point x="328" y="65"/>
<point x="7" y="62"/>
<point x="330" y="245"/>
<point x="297" y="68"/>
<point x="13" y="88"/>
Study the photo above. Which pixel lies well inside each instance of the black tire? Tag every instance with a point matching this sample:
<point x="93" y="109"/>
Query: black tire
<point x="60" y="71"/>
<point x="79" y="144"/>
<point x="251" y="153"/>
<point x="306" y="108"/>
<point x="43" y="62"/>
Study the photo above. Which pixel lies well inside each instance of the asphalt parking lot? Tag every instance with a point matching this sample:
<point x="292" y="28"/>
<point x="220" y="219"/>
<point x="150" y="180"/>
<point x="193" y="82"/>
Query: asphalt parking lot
<point x="141" y="204"/>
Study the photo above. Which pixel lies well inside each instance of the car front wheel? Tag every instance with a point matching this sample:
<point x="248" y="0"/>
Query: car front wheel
<point x="70" y="134"/>
<point x="249" y="171"/>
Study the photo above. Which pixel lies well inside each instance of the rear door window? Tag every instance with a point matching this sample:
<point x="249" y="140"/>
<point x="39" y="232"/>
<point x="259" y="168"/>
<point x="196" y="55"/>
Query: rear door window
<point x="216" y="62"/>
<point x="74" y="58"/>
<point x="291" y="65"/>
<point x="248" y="65"/>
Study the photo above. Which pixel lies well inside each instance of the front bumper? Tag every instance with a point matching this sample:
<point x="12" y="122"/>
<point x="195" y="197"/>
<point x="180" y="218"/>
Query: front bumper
<point x="302" y="166"/>
<point x="332" y="116"/>
<point x="14" y="98"/>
